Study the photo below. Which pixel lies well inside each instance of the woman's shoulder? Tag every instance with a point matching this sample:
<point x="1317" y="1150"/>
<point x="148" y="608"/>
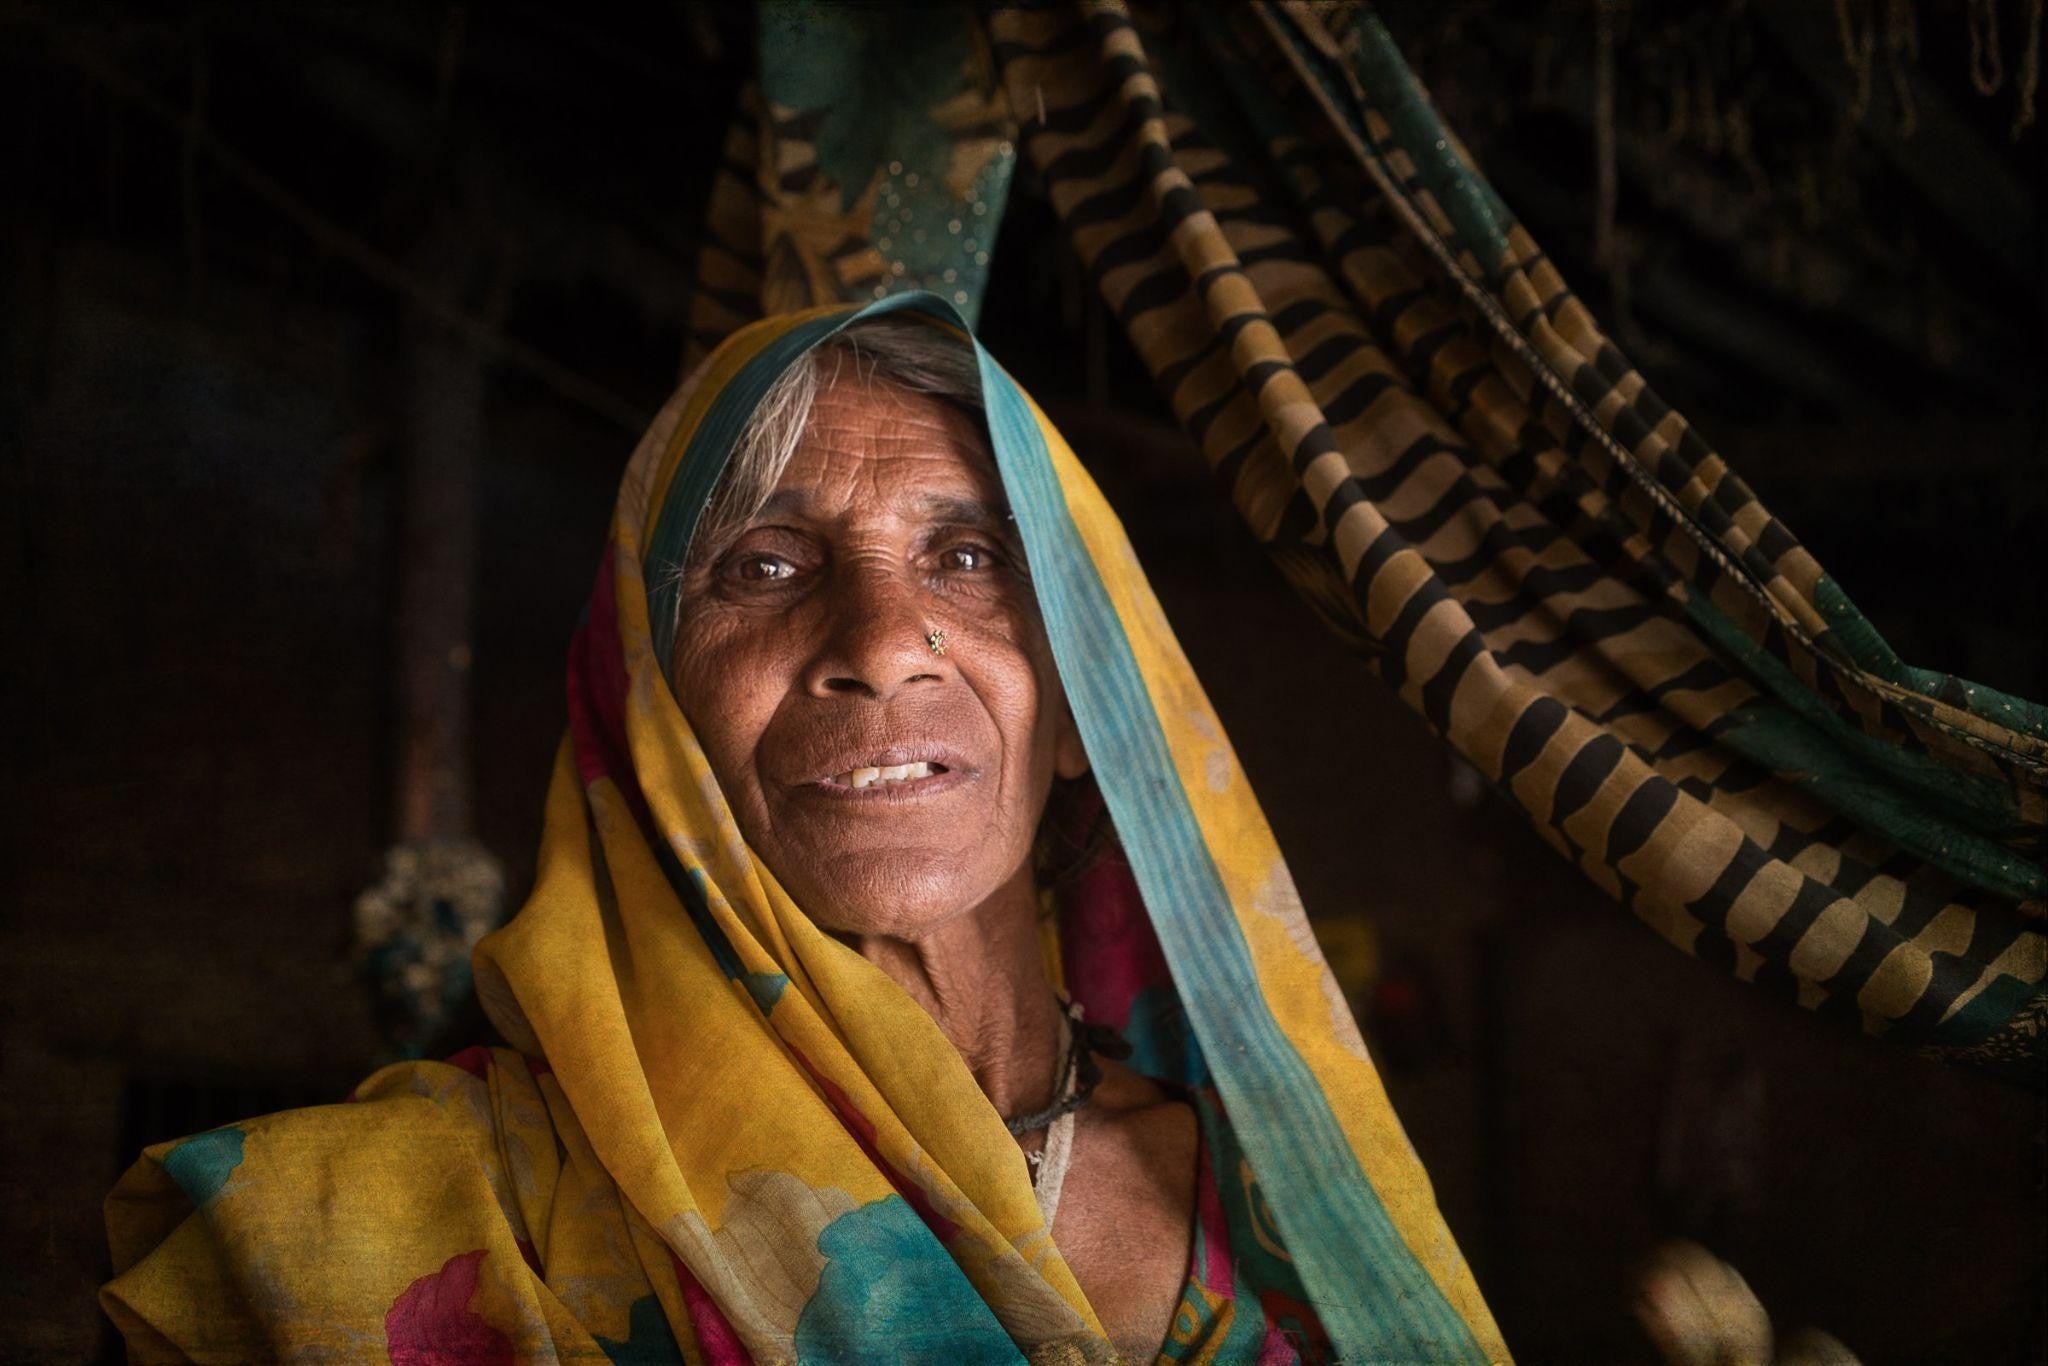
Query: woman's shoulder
<point x="473" y="1087"/>
<point x="406" y="1122"/>
<point x="304" y="1216"/>
<point x="404" y="1107"/>
<point x="476" y="1100"/>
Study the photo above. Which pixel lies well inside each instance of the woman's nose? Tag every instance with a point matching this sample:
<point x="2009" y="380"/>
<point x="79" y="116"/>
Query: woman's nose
<point x="875" y="636"/>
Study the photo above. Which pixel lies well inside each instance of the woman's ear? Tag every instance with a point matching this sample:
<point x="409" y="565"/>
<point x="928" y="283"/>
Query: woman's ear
<point x="1070" y="758"/>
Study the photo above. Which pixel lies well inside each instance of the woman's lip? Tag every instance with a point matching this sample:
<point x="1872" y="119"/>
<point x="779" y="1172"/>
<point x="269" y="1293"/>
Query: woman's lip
<point x="890" y="793"/>
<point x="896" y="756"/>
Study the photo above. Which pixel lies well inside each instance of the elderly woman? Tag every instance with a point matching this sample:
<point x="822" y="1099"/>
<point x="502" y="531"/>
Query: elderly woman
<point x="910" y="976"/>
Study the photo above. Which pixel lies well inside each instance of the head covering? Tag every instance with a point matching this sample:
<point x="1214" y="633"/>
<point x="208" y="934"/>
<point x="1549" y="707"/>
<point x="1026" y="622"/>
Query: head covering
<point x="716" y="1124"/>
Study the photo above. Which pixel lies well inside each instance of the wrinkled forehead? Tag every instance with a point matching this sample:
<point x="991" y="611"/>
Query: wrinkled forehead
<point x="871" y="448"/>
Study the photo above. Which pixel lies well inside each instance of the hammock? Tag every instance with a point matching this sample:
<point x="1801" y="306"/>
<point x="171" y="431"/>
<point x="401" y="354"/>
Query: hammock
<point x="1436" y="444"/>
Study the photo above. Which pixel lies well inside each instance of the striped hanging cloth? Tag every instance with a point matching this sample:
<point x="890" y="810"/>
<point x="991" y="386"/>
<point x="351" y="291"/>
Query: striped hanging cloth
<point x="1441" y="450"/>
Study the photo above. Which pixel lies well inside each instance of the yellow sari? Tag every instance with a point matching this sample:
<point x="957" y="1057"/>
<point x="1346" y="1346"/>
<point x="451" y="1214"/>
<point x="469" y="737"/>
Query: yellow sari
<point x="721" y="1135"/>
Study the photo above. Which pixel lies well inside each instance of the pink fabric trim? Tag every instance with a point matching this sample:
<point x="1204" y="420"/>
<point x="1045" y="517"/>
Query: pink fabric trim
<point x="720" y="1345"/>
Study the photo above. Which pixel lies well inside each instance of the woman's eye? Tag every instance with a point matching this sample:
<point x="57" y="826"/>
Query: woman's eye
<point x="966" y="557"/>
<point x="763" y="568"/>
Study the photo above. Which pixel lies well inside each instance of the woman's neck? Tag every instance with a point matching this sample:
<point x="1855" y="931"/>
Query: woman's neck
<point x="981" y="975"/>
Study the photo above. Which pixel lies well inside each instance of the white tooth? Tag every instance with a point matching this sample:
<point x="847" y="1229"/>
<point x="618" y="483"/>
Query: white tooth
<point x="896" y="772"/>
<point x="920" y="769"/>
<point x="863" y="776"/>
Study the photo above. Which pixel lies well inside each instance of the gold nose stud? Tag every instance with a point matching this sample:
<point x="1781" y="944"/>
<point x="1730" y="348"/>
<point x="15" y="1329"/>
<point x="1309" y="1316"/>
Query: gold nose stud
<point x="936" y="639"/>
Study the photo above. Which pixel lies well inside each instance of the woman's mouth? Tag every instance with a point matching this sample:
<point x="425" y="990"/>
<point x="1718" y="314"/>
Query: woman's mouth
<point x="861" y="778"/>
<point x="889" y="775"/>
<point x="890" y="785"/>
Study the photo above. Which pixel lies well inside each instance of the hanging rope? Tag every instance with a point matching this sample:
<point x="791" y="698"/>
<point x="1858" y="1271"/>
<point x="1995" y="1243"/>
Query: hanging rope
<point x="1857" y="49"/>
<point x="2030" y="71"/>
<point x="1987" y="67"/>
<point x="1902" y="45"/>
<point x="1603" y="133"/>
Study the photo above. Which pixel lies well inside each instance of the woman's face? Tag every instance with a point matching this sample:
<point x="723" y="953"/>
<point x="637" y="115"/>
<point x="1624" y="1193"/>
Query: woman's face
<point x="804" y="663"/>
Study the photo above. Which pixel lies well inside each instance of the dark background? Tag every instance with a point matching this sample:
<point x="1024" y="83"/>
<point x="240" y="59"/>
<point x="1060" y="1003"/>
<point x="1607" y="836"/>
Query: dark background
<point x="220" y="221"/>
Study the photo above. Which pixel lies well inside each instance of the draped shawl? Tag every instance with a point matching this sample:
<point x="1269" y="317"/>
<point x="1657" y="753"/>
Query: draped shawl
<point x="719" y="1129"/>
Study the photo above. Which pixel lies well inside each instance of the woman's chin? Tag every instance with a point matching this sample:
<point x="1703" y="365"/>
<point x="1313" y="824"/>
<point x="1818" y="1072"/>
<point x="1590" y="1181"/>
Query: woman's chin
<point x="899" y="897"/>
